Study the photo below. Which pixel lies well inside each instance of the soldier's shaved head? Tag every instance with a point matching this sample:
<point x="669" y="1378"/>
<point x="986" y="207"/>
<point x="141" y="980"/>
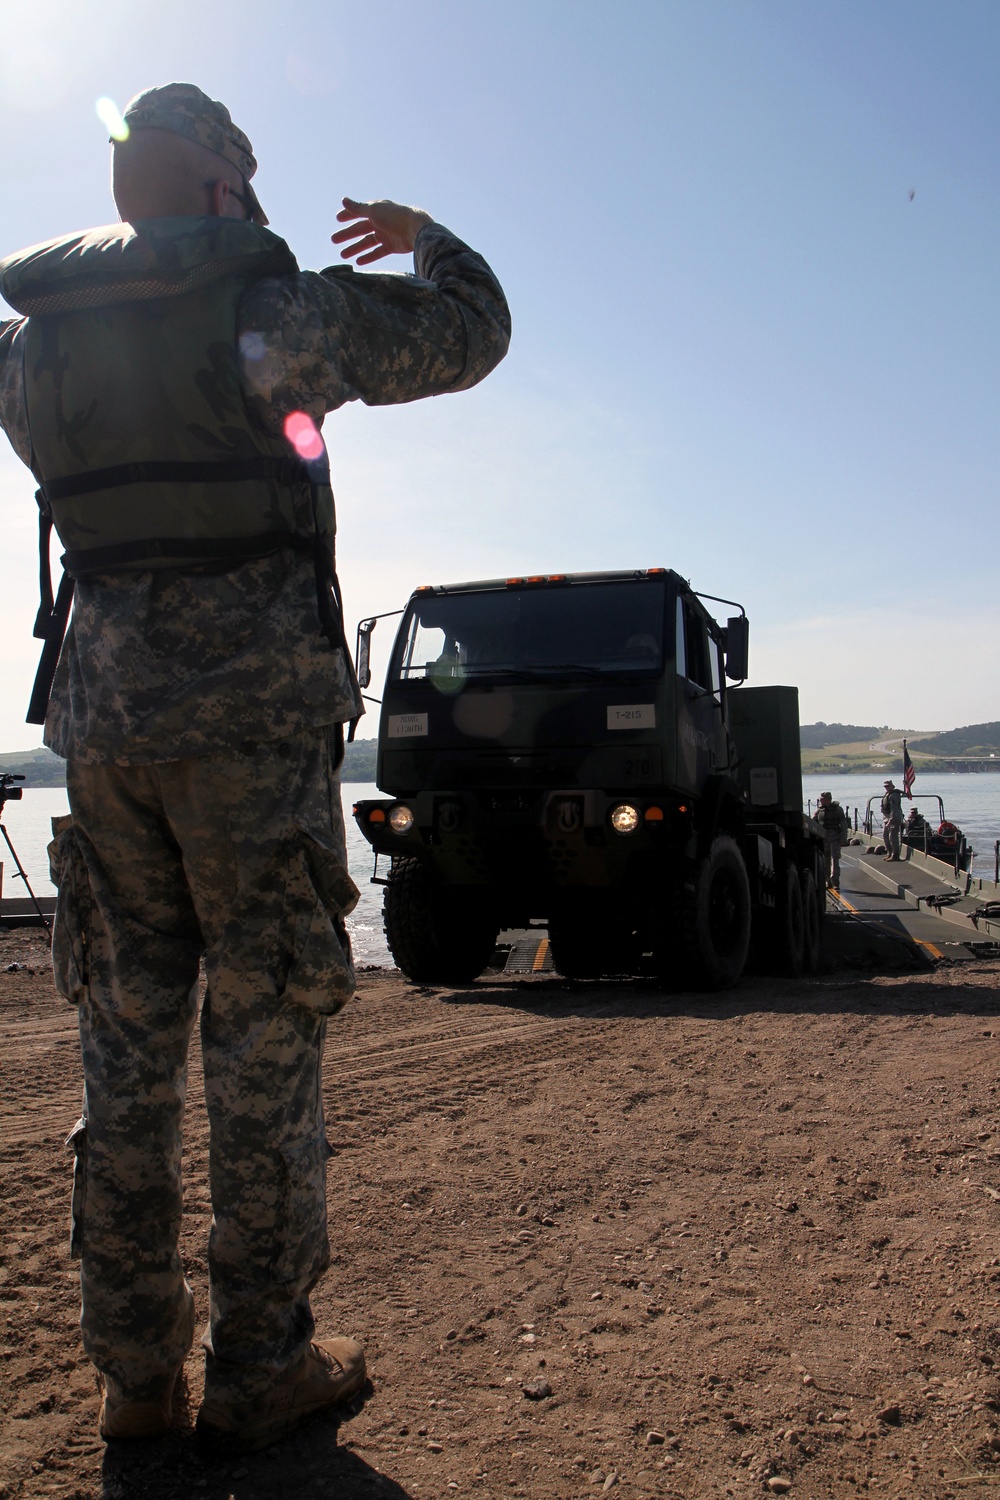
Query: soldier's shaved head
<point x="158" y="174"/>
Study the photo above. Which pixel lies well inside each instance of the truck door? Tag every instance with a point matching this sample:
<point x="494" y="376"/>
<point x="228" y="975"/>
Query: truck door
<point x="700" y="732"/>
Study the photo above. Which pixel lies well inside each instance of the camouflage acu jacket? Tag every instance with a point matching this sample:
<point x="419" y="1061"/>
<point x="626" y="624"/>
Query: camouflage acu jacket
<point x="163" y="665"/>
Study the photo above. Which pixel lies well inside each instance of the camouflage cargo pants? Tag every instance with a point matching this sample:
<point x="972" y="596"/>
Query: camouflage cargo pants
<point x="239" y="860"/>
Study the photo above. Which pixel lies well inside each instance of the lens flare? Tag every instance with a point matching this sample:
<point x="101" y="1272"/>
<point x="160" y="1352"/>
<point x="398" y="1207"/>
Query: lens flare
<point x="303" y="434"/>
<point x="110" y="116"/>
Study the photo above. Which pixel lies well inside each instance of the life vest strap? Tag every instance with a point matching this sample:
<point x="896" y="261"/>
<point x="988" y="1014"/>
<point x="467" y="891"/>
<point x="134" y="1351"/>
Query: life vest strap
<point x="194" y="549"/>
<point x="40" y="629"/>
<point x="53" y="633"/>
<point x="169" y="471"/>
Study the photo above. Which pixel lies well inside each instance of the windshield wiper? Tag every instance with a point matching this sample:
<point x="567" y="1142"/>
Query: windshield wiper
<point x="542" y="672"/>
<point x="586" y="669"/>
<point x="503" y="674"/>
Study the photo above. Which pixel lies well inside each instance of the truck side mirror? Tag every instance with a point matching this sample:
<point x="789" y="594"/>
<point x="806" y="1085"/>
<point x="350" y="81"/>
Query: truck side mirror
<point x="363" y="653"/>
<point x="737" y="648"/>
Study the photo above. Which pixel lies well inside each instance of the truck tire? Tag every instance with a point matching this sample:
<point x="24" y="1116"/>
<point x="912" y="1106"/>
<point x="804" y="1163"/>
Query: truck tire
<point x="436" y="937"/>
<point x="791" y="928"/>
<point x="716" y="916"/>
<point x="810" y="922"/>
<point x="820" y="878"/>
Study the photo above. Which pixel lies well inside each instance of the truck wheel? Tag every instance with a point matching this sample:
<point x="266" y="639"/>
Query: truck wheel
<point x="717" y="918"/>
<point x="435" y="936"/>
<point x="820" y="879"/>
<point x="791" y="927"/>
<point x="810" y="922"/>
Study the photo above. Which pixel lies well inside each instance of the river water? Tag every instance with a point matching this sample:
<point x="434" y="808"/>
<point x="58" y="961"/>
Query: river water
<point x="29" y="824"/>
<point x="971" y="800"/>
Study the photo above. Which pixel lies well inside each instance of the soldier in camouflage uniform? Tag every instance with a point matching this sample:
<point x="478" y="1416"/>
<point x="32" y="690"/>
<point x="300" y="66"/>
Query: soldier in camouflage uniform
<point x="892" y="821"/>
<point x="833" y="821"/>
<point x="198" y="701"/>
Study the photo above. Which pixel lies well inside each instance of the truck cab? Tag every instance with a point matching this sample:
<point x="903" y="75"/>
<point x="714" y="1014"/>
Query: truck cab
<point x="557" y="749"/>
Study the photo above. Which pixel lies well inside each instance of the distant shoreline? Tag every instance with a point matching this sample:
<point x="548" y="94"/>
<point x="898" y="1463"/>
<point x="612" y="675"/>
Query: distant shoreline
<point x="892" y="767"/>
<point x="40" y="768"/>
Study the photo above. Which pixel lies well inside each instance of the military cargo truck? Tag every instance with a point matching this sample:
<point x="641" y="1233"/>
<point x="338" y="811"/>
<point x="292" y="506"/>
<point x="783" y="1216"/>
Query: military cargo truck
<point x="566" y="750"/>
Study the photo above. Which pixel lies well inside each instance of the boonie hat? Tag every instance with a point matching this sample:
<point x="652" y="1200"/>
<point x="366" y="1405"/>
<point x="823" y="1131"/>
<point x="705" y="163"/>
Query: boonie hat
<point x="185" y="110"/>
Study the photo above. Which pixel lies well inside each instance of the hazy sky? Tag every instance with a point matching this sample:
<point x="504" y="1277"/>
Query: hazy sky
<point x="750" y="248"/>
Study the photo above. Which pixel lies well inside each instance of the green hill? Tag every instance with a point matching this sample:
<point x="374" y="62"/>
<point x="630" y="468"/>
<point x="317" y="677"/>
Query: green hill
<point x="974" y="739"/>
<point x="41" y="768"/>
<point x="38" y="767"/>
<point x="359" y="761"/>
<point x="818" y="736"/>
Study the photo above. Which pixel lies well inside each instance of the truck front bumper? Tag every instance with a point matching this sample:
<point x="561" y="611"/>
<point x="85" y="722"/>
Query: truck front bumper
<point x="544" y="839"/>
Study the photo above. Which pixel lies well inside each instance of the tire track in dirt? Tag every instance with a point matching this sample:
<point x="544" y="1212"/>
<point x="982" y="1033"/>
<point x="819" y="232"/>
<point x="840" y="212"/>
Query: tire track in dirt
<point x="672" y="1209"/>
<point x="39" y="1045"/>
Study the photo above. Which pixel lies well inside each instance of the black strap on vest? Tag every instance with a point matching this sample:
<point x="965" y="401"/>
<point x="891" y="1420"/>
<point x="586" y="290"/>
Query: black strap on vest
<point x="233" y="549"/>
<point x="167" y="471"/>
<point x="52" y="632"/>
<point x="40" y="629"/>
<point x="53" y="615"/>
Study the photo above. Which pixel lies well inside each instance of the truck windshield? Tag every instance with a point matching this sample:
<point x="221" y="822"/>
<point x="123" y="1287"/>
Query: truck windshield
<point x="584" y="629"/>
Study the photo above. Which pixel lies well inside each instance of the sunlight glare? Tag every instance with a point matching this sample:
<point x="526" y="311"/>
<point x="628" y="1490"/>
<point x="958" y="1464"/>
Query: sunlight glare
<point x="109" y="115"/>
<point x="303" y="434"/>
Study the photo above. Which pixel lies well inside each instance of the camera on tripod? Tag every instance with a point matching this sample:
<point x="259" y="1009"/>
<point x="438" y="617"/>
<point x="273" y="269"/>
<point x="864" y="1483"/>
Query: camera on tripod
<point x="8" y="791"/>
<point x="11" y="793"/>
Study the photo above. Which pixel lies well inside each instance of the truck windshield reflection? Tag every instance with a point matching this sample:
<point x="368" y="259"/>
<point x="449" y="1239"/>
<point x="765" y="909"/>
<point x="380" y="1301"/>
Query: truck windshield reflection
<point x="605" y="629"/>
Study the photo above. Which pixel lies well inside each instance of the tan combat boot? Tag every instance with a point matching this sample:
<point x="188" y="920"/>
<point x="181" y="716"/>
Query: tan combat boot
<point x="125" y="1418"/>
<point x="328" y="1374"/>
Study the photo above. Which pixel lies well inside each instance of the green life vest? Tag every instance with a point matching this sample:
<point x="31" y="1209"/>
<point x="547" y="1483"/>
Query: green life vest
<point x="144" y="450"/>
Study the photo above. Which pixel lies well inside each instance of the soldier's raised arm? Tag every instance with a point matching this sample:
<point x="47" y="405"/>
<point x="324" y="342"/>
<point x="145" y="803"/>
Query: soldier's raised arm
<point x="319" y="339"/>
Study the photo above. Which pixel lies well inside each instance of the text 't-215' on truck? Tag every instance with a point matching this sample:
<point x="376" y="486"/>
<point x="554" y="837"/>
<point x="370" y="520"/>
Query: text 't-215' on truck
<point x="565" y="750"/>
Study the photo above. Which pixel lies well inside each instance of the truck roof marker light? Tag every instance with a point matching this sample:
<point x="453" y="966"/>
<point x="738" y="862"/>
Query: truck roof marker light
<point x="513" y="582"/>
<point x="654" y="572"/>
<point x="425" y="588"/>
<point x="537" y="578"/>
<point x="377" y="815"/>
<point x="557" y="578"/>
<point x="654" y="814"/>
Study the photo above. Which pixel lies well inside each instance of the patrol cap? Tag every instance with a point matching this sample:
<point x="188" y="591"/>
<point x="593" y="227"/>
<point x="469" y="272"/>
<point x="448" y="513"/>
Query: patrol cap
<point x="183" y="109"/>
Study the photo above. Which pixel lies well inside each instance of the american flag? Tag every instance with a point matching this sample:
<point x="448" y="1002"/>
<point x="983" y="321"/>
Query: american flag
<point x="909" y="774"/>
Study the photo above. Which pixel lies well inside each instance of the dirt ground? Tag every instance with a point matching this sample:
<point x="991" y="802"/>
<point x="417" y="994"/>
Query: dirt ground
<point x="594" y="1238"/>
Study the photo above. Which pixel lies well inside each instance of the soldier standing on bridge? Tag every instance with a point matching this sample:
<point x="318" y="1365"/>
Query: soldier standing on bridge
<point x="892" y="815"/>
<point x="833" y="820"/>
<point x="166" y="387"/>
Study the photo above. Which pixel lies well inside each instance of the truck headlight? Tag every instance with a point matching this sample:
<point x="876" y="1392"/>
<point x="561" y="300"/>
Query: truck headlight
<point x="400" y="818"/>
<point x="624" y="818"/>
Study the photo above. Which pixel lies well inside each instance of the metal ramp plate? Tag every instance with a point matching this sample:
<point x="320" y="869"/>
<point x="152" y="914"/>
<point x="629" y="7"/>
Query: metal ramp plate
<point x="529" y="954"/>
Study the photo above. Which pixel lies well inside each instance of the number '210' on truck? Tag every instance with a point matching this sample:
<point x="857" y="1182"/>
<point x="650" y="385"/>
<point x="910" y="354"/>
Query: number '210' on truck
<point x="566" y="750"/>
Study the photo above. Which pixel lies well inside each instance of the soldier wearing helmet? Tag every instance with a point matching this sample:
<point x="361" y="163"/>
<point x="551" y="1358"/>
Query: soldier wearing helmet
<point x="166" y="380"/>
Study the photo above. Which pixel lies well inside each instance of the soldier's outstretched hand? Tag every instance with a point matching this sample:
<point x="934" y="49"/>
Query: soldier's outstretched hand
<point x="379" y="229"/>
